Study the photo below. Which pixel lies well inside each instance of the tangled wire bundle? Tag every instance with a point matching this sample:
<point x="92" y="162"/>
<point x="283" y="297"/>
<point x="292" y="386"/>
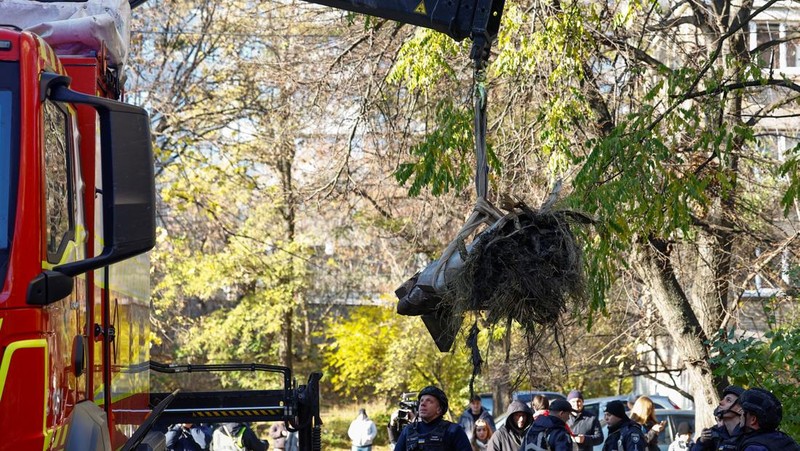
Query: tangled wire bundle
<point x="526" y="267"/>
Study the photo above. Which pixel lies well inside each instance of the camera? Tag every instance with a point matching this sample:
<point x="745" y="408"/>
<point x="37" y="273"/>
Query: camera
<point x="407" y="408"/>
<point x="403" y="416"/>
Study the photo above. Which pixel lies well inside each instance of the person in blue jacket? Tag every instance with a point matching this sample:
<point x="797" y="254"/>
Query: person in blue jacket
<point x="188" y="437"/>
<point x="762" y="417"/>
<point x="623" y="433"/>
<point x="431" y="432"/>
<point x="724" y="436"/>
<point x="549" y="432"/>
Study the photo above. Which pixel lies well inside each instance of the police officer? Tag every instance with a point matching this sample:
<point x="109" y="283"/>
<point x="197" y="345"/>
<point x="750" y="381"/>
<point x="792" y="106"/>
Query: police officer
<point x="431" y="432"/>
<point x="725" y="435"/>
<point x="762" y="417"/>
<point x="623" y="434"/>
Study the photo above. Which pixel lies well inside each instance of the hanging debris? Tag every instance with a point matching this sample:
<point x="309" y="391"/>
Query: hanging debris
<point x="526" y="266"/>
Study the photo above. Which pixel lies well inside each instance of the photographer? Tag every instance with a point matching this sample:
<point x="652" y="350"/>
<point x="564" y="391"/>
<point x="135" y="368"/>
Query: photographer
<point x="400" y="419"/>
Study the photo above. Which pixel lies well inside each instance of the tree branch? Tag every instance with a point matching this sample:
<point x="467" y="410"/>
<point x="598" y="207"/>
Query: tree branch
<point x="740" y="85"/>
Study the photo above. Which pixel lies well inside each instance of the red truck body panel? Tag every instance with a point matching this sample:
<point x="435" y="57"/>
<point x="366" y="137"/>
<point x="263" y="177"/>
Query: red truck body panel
<point x="38" y="380"/>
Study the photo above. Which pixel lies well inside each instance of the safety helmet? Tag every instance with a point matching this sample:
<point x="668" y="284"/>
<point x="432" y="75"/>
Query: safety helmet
<point x="437" y="393"/>
<point x="764" y="405"/>
<point x="733" y="390"/>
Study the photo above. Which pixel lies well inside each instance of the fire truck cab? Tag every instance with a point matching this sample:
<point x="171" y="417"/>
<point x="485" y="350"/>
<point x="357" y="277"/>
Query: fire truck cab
<point x="76" y="214"/>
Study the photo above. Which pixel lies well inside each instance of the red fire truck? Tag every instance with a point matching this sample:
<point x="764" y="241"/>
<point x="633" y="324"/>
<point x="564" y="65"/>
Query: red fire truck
<point x="77" y="202"/>
<point x="76" y="218"/>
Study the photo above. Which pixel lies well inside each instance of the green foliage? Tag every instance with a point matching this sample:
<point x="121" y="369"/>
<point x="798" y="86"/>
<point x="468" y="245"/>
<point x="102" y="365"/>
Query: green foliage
<point x="442" y="159"/>
<point x="790" y="169"/>
<point x="334" y="433"/>
<point x="424" y="60"/>
<point x="377" y="354"/>
<point x="771" y="362"/>
<point x="561" y="42"/>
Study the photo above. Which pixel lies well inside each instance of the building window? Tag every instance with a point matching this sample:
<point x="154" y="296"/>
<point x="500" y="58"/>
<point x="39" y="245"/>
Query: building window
<point x="777" y="54"/>
<point x="58" y="180"/>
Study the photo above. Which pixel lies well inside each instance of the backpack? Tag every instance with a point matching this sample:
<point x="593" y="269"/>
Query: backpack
<point x="539" y="442"/>
<point x="224" y="440"/>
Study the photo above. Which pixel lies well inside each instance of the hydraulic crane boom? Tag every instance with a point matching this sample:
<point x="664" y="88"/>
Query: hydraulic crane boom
<point x="459" y="19"/>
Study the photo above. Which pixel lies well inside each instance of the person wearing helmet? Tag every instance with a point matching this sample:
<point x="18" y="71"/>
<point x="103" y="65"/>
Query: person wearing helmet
<point x="763" y="413"/>
<point x="725" y="435"/>
<point x="430" y="431"/>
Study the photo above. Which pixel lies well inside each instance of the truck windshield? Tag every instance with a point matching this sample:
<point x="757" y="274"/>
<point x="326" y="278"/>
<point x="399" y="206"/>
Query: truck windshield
<point x="5" y="166"/>
<point x="9" y="142"/>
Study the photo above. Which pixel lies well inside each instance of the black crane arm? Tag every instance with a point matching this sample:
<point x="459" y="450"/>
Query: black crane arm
<point x="478" y="20"/>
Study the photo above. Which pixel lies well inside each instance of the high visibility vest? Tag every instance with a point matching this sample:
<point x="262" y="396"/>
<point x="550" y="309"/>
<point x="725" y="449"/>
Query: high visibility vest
<point x="224" y="440"/>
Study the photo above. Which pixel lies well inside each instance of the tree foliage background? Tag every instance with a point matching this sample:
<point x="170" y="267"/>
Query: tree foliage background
<point x="307" y="155"/>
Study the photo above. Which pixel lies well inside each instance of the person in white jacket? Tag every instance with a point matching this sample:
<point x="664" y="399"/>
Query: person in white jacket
<point x="362" y="432"/>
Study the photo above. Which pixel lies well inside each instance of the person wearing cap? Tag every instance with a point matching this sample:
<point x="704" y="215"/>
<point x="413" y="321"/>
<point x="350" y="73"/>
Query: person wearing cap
<point x="762" y="417"/>
<point x="549" y="432"/>
<point x="362" y="432"/>
<point x="586" y="430"/>
<point x="724" y="436"/>
<point x="430" y="431"/>
<point x="683" y="438"/>
<point x="510" y="435"/>
<point x="475" y="412"/>
<point x="623" y="434"/>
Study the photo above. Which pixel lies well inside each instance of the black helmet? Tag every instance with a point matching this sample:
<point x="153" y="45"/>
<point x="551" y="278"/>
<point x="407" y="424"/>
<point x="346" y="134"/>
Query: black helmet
<point x="437" y="393"/>
<point x="733" y="390"/>
<point x="764" y="405"/>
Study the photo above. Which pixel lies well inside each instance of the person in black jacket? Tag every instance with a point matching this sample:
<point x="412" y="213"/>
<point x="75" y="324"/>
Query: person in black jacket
<point x="724" y="436"/>
<point x="475" y="412"/>
<point x="623" y="434"/>
<point x="586" y="430"/>
<point x="763" y="413"/>
<point x="549" y="432"/>
<point x="431" y="432"/>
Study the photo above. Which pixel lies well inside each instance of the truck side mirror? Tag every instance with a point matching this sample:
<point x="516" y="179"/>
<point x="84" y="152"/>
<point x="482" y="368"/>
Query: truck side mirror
<point x="128" y="178"/>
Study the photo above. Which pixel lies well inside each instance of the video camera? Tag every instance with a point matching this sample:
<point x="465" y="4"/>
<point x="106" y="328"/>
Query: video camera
<point x="403" y="416"/>
<point x="407" y="408"/>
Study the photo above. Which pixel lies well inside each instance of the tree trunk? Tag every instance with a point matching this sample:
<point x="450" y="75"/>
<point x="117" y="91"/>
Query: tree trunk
<point x="653" y="265"/>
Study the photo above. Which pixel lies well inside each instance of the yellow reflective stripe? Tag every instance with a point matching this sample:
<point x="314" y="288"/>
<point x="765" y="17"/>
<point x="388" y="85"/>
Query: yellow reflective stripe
<point x="68" y="256"/>
<point x="49" y="55"/>
<point x="6" y="363"/>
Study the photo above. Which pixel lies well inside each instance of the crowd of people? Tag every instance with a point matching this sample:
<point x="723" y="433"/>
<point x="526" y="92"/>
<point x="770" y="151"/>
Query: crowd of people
<point x="747" y="420"/>
<point x="227" y="437"/>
